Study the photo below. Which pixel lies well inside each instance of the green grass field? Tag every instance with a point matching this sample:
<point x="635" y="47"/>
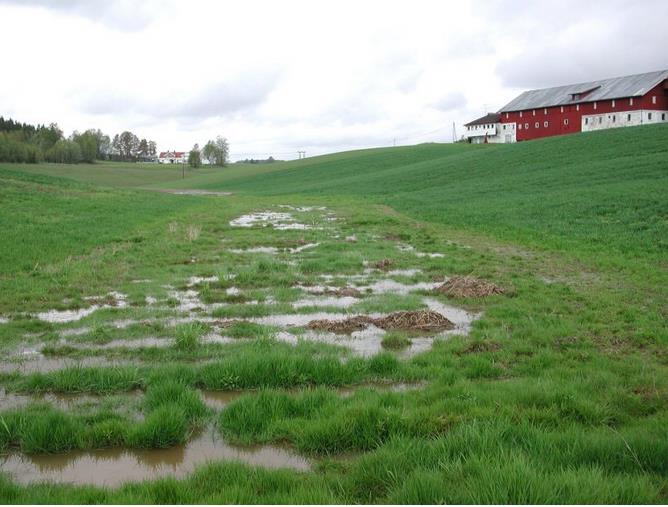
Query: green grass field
<point x="558" y="392"/>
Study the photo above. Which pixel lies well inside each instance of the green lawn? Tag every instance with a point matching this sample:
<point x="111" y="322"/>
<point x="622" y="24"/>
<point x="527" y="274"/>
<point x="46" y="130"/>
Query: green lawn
<point x="558" y="394"/>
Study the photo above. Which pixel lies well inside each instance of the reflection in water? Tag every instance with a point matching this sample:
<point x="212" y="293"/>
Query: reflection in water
<point x="111" y="467"/>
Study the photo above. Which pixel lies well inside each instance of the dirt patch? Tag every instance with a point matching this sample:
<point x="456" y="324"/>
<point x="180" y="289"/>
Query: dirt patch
<point x="350" y="292"/>
<point x="384" y="264"/>
<point x="346" y="326"/>
<point x="422" y="320"/>
<point x="468" y="287"/>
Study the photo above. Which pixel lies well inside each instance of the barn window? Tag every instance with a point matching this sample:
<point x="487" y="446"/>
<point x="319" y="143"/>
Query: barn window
<point x="545" y="124"/>
<point x="649" y="116"/>
<point x="504" y="127"/>
<point x="506" y="116"/>
<point x="653" y="99"/>
<point x="663" y="116"/>
<point x="586" y="121"/>
<point x="545" y="111"/>
<point x="631" y="101"/>
<point x="628" y="117"/>
<point x="600" y="120"/>
<point x="562" y="109"/>
<point x="537" y="124"/>
<point x="519" y="127"/>
<point x="577" y="107"/>
<point x="526" y="126"/>
<point x="565" y="121"/>
<point x="533" y="112"/>
<point x="520" y="114"/>
<point x="613" y="103"/>
<point x="594" y="105"/>
<point x="614" y="118"/>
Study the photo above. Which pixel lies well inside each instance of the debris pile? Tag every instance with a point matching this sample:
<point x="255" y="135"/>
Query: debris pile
<point x="468" y="287"/>
<point x="422" y="320"/>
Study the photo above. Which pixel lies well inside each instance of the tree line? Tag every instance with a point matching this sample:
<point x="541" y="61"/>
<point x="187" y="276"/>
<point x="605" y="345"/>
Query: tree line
<point x="215" y="151"/>
<point x="22" y="142"/>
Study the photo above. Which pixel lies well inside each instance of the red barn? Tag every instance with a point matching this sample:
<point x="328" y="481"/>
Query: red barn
<point x="617" y="102"/>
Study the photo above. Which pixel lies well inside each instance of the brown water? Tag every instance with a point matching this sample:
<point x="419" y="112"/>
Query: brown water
<point x="42" y="364"/>
<point x="112" y="467"/>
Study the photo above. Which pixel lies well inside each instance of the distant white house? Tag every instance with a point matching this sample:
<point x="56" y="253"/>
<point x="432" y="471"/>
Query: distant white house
<point x="173" y="157"/>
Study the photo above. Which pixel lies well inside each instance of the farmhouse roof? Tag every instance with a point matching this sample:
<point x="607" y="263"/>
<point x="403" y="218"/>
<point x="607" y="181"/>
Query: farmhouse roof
<point x="166" y="154"/>
<point x="604" y="89"/>
<point x="483" y="120"/>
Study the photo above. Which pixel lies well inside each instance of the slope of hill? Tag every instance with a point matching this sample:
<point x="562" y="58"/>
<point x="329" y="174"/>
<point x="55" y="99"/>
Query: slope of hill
<point x="602" y="191"/>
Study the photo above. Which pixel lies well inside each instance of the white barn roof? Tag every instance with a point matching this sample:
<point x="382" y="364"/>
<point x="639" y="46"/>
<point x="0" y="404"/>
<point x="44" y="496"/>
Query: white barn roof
<point x="604" y="89"/>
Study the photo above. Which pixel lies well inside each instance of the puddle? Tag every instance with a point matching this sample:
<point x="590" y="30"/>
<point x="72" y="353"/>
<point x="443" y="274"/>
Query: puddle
<point x="4" y="320"/>
<point x="302" y="209"/>
<point x="392" y="287"/>
<point x="189" y="300"/>
<point x="111" y="300"/>
<point x="307" y="246"/>
<point x="150" y="300"/>
<point x="278" y="220"/>
<point x="195" y="192"/>
<point x="220" y="399"/>
<point x="134" y="343"/>
<point x="63" y="401"/>
<point x="333" y="301"/>
<point x="410" y="248"/>
<point x="366" y="341"/>
<point x="112" y="467"/>
<point x="196" y="280"/>
<point x="41" y="364"/>
<point x="271" y="250"/>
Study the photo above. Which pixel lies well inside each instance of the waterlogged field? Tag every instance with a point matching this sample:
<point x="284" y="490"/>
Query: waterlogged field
<point x="315" y="349"/>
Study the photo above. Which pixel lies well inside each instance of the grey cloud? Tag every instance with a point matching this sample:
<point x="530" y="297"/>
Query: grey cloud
<point x="604" y="40"/>
<point x="221" y="99"/>
<point x="450" y="101"/>
<point x="124" y="15"/>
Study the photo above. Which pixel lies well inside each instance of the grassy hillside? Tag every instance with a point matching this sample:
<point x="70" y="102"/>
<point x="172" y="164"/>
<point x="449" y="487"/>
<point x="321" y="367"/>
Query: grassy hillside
<point x="113" y="174"/>
<point x="602" y="191"/>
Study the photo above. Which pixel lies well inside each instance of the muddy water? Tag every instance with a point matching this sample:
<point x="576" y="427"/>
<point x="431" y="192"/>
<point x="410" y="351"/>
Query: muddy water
<point x="38" y="363"/>
<point x="112" y="467"/>
<point x="63" y="401"/>
<point x="118" y="300"/>
<point x="278" y="220"/>
<point x="195" y="192"/>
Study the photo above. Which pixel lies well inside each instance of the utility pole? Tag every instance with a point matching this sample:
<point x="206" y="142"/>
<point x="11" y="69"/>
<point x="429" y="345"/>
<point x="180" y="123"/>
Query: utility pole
<point x="454" y="133"/>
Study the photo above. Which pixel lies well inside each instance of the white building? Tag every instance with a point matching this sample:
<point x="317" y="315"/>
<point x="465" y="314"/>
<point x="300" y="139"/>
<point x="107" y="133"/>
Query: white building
<point x="489" y="129"/>
<point x="173" y="157"/>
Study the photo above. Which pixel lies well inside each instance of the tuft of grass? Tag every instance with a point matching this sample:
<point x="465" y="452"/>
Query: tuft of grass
<point x="187" y="336"/>
<point x="395" y="340"/>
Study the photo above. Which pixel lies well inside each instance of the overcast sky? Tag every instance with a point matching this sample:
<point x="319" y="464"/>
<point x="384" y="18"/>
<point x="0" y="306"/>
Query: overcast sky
<point x="275" y="77"/>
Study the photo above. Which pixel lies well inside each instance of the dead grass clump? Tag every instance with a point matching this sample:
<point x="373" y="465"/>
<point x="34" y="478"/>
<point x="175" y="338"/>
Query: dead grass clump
<point x="193" y="232"/>
<point x="347" y="326"/>
<point x="468" y="287"/>
<point x="344" y="292"/>
<point x="385" y="264"/>
<point x="421" y="320"/>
